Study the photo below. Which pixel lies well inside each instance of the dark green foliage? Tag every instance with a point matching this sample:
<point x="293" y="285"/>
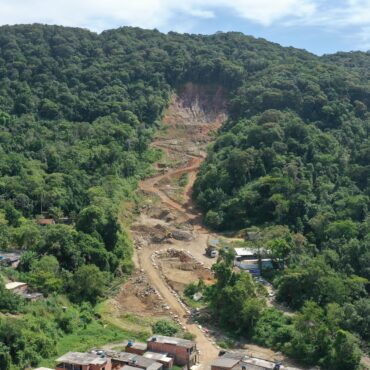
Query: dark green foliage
<point x="234" y="300"/>
<point x="88" y="284"/>
<point x="165" y="327"/>
<point x="315" y="280"/>
<point x="193" y="288"/>
<point x="44" y="275"/>
<point x="28" y="338"/>
<point x="294" y="152"/>
<point x="9" y="302"/>
<point x="77" y="113"/>
<point x="5" y="358"/>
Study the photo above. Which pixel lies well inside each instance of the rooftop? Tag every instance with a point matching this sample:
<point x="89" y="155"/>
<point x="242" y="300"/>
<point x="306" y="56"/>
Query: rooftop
<point x="138" y="345"/>
<point x="157" y="356"/>
<point x="32" y="295"/>
<point x="258" y="363"/>
<point x="127" y="367"/>
<point x="240" y="252"/>
<point x="249" y="367"/>
<point x="225" y="362"/>
<point x="120" y="355"/>
<point x="14" y="285"/>
<point x="79" y="358"/>
<point x="253" y="363"/>
<point x="131" y="358"/>
<point x="172" y="340"/>
<point x="234" y="354"/>
<point x="46" y="221"/>
<point x="12" y="256"/>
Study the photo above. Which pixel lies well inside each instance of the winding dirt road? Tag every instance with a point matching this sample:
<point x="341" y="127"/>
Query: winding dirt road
<point x="186" y="125"/>
<point x="189" y="131"/>
<point x="208" y="350"/>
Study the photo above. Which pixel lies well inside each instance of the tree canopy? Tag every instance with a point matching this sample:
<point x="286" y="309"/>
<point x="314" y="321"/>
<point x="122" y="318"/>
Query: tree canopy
<point x="77" y="113"/>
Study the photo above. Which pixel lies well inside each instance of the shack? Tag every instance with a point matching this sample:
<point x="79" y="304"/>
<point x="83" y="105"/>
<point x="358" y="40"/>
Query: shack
<point x="252" y="260"/>
<point x="10" y="258"/>
<point x="17" y="287"/>
<point x="120" y="359"/>
<point x="83" y="361"/>
<point x="183" y="351"/>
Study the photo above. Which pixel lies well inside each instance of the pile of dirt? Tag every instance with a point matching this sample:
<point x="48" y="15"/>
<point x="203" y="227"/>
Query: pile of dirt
<point x="179" y="269"/>
<point x="138" y="296"/>
<point x="154" y="234"/>
<point x="160" y="214"/>
<point x="158" y="230"/>
<point x="182" y="234"/>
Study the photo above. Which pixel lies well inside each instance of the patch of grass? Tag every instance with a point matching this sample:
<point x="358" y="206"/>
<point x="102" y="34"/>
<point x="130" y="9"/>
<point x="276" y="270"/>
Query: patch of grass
<point x="95" y="334"/>
<point x="139" y="325"/>
<point x="184" y="179"/>
<point x="175" y="367"/>
<point x="193" y="304"/>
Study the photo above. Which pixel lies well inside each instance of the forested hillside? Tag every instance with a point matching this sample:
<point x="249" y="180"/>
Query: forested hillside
<point x="293" y="163"/>
<point x="77" y="113"/>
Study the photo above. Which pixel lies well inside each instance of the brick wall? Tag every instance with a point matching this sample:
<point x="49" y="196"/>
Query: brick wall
<point x="181" y="355"/>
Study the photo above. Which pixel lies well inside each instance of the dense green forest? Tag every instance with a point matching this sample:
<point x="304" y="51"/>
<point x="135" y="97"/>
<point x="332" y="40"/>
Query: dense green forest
<point x="77" y="113"/>
<point x="294" y="154"/>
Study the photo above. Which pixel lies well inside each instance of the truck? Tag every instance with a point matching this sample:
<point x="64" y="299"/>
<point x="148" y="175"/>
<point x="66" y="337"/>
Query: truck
<point x="211" y="251"/>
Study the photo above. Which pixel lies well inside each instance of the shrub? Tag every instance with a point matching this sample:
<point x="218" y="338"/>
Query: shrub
<point x="165" y="327"/>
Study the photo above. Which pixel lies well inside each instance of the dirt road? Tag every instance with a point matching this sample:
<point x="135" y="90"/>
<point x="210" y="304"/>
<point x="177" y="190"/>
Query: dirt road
<point x="190" y="139"/>
<point x="150" y="185"/>
<point x="208" y="351"/>
<point x="189" y="128"/>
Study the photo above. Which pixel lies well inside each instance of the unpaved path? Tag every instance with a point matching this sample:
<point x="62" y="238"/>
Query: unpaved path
<point x="150" y="186"/>
<point x="365" y="361"/>
<point x="187" y="136"/>
<point x="208" y="351"/>
<point x="192" y="149"/>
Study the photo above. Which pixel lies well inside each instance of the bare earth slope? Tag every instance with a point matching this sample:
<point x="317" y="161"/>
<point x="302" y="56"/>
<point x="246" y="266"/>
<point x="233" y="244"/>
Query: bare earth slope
<point x="191" y="118"/>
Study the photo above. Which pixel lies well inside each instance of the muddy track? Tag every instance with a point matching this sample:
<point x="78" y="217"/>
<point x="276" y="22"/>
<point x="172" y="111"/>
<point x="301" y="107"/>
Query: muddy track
<point x="208" y="350"/>
<point x="186" y="138"/>
<point x="181" y="141"/>
<point x="150" y="185"/>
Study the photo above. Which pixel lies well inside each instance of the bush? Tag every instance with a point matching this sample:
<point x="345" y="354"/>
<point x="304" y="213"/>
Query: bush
<point x="190" y="290"/>
<point x="165" y="327"/>
<point x="272" y="329"/>
<point x="189" y="336"/>
<point x="184" y="179"/>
